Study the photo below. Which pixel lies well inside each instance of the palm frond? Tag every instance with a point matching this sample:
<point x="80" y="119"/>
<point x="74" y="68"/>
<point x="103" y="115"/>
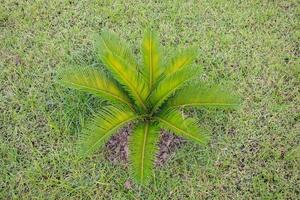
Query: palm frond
<point x="142" y="150"/>
<point x="109" y="41"/>
<point x="119" y="61"/>
<point x="204" y="96"/>
<point x="151" y="50"/>
<point x="181" y="59"/>
<point x="104" y="124"/>
<point x="93" y="81"/>
<point x="169" y="85"/>
<point x="187" y="128"/>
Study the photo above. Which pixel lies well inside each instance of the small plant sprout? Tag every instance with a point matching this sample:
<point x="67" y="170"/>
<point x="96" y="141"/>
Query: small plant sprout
<point x="149" y="95"/>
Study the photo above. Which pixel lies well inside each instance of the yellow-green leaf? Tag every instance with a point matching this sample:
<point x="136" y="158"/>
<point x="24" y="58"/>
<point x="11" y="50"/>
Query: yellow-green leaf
<point x="142" y="150"/>
<point x="119" y="62"/>
<point x="105" y="123"/>
<point x="185" y="127"/>
<point x="94" y="81"/>
<point x="152" y="57"/>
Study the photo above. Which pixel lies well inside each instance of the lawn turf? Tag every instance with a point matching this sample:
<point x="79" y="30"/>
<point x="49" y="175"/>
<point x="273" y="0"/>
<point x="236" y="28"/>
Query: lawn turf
<point x="250" y="46"/>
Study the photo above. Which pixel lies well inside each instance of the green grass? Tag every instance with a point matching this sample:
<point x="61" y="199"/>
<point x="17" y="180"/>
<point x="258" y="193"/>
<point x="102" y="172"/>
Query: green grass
<point x="252" y="46"/>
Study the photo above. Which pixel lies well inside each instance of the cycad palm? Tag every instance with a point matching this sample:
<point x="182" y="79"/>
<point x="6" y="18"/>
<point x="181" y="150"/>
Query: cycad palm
<point x="147" y="95"/>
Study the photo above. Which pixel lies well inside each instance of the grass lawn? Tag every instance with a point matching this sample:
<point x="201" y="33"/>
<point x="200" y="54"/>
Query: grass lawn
<point x="250" y="46"/>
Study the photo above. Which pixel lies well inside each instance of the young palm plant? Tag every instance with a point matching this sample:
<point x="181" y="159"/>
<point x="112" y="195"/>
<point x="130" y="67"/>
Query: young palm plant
<point x="149" y="96"/>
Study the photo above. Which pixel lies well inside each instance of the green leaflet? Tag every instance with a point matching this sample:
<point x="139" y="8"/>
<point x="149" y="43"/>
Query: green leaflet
<point x="105" y="123"/>
<point x="151" y="51"/>
<point x="180" y="60"/>
<point x="187" y="128"/>
<point x="119" y="62"/>
<point x="143" y="148"/>
<point x="169" y="85"/>
<point x="205" y="96"/>
<point x="94" y="81"/>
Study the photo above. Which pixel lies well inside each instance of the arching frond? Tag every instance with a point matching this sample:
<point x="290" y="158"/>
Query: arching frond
<point x="142" y="151"/>
<point x="204" y="96"/>
<point x="151" y="50"/>
<point x="180" y="60"/>
<point x="109" y="41"/>
<point x="170" y="85"/>
<point x="113" y="53"/>
<point x="187" y="128"/>
<point x="94" y="81"/>
<point x="104" y="124"/>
